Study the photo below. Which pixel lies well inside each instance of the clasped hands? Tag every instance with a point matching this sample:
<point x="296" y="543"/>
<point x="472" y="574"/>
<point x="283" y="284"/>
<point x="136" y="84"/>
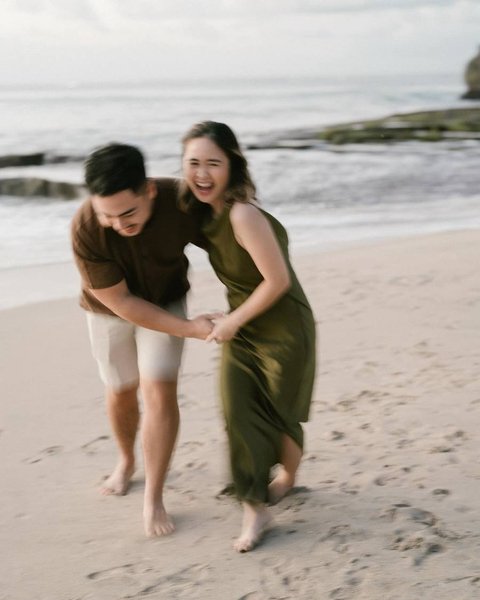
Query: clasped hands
<point x="224" y="328"/>
<point x="218" y="327"/>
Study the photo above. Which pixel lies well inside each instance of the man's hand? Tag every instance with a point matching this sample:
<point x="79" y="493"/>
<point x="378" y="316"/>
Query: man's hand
<point x="201" y="326"/>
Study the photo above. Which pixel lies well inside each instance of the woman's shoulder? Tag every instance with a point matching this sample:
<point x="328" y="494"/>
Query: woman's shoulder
<point x="244" y="212"/>
<point x="249" y="216"/>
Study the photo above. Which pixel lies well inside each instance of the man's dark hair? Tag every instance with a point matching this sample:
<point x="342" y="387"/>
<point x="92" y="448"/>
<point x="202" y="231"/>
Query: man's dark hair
<point x="114" y="168"/>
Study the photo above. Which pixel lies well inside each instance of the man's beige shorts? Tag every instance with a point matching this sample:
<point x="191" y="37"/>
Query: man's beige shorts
<point x="125" y="352"/>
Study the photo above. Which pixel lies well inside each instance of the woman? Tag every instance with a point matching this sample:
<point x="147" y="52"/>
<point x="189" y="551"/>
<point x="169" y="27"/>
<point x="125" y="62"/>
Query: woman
<point x="268" y="358"/>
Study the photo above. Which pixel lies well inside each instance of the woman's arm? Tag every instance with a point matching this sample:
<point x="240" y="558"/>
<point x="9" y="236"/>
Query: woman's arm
<point x="254" y="233"/>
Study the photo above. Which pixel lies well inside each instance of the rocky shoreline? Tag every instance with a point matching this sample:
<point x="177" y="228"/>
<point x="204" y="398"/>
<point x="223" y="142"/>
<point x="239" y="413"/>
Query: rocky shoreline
<point x="35" y="159"/>
<point x="423" y="126"/>
<point x="33" y="187"/>
<point x="37" y="187"/>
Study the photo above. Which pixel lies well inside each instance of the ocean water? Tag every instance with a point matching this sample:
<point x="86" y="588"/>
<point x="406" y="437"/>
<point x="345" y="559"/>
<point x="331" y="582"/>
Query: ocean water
<point x="326" y="197"/>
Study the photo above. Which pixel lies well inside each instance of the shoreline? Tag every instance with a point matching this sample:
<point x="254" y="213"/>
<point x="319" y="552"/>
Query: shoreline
<point x="32" y="284"/>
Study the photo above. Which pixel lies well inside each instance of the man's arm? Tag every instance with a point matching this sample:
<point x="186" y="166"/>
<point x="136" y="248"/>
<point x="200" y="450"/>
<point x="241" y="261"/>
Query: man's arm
<point x="124" y="304"/>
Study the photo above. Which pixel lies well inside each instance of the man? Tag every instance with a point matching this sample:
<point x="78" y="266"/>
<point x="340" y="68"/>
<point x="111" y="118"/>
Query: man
<point x="128" y="241"/>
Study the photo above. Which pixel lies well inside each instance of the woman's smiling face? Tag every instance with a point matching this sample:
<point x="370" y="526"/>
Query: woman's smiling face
<point x="206" y="169"/>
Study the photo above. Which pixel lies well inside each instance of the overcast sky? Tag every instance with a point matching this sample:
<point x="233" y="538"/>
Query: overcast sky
<point x="76" y="41"/>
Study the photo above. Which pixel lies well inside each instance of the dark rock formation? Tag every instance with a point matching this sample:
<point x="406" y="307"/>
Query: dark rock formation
<point x="426" y="126"/>
<point x="472" y="79"/>
<point x="35" y="159"/>
<point x="22" y="160"/>
<point x="29" y="187"/>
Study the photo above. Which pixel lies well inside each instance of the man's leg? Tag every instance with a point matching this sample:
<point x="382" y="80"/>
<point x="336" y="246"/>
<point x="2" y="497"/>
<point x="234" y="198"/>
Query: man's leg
<point x="159" y="433"/>
<point x="123" y="413"/>
<point x="114" y="348"/>
<point x="159" y="358"/>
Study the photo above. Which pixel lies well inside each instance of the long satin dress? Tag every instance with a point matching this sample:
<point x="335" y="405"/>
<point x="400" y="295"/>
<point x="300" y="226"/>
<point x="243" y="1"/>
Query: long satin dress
<point x="267" y="369"/>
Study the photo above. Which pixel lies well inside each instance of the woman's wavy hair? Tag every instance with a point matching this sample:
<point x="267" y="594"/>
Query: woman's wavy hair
<point x="240" y="186"/>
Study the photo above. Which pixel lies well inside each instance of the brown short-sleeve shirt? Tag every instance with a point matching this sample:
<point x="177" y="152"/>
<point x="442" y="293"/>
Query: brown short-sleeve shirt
<point x="153" y="263"/>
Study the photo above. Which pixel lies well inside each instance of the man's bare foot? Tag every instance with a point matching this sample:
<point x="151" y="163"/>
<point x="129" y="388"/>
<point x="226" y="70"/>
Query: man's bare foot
<point x="279" y="487"/>
<point x="256" y="521"/>
<point x="156" y="521"/>
<point x="118" y="482"/>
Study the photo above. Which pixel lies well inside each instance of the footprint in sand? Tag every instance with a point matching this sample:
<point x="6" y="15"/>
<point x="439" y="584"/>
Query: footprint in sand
<point x="458" y="436"/>
<point x="422" y="545"/>
<point x="46" y="452"/>
<point x="198" y="466"/>
<point x="441" y="448"/>
<point x="423" y="542"/>
<point x="352" y="579"/>
<point x="382" y="480"/>
<point x="127" y="577"/>
<point x="92" y="447"/>
<point x="440" y="493"/>
<point x="22" y="516"/>
<point x="422" y="348"/>
<point x="372" y="396"/>
<point x="340" y="536"/>
<point x="191" y="444"/>
<point x="335" y="435"/>
<point x="418" y="515"/>
<point x="449" y="442"/>
<point x="182" y="584"/>
<point x="347" y="488"/>
<point x="344" y="405"/>
<point x="321" y="407"/>
<point x="429" y="548"/>
<point x="114" y="572"/>
<point x="284" y="578"/>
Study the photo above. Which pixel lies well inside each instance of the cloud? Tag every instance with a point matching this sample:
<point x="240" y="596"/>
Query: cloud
<point x="346" y="6"/>
<point x="98" y="40"/>
<point x="107" y="11"/>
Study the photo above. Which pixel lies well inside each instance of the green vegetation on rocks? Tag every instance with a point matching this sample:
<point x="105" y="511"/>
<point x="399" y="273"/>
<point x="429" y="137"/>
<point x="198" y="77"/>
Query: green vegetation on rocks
<point x="428" y="126"/>
<point x="472" y="79"/>
<point x="424" y="126"/>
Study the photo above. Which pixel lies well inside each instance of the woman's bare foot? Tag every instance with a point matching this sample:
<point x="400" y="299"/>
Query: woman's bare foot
<point x="156" y="520"/>
<point x="118" y="482"/>
<point x="256" y="521"/>
<point x="279" y="486"/>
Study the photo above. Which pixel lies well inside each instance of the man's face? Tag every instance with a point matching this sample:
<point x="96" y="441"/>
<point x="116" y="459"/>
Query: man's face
<point x="126" y="212"/>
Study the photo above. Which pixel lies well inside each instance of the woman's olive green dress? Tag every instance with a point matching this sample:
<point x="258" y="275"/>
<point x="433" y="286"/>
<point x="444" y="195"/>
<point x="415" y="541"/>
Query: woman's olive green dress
<point x="267" y="369"/>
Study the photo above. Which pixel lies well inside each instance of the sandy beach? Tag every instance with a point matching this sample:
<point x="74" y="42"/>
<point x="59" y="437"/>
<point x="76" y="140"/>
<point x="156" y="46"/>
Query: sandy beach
<point x="386" y="502"/>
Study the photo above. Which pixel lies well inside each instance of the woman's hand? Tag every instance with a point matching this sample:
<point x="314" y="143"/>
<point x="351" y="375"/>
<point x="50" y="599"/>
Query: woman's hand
<point x="224" y="328"/>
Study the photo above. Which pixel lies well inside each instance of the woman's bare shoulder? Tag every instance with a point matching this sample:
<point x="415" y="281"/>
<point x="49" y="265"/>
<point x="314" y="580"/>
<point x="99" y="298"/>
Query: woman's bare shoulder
<point x="245" y="212"/>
